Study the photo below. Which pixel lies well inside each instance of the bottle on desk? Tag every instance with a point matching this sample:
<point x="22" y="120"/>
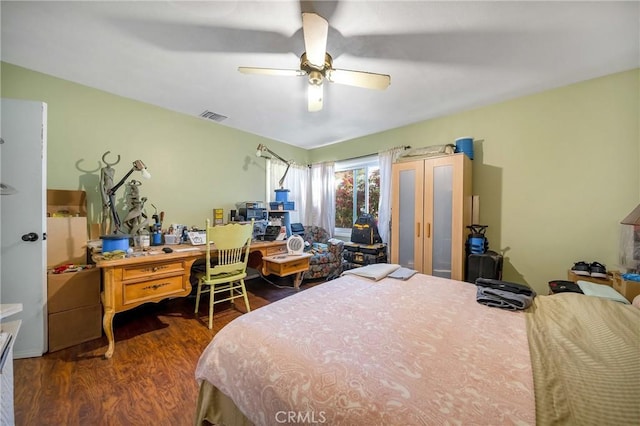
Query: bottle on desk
<point x="156" y="238"/>
<point x="142" y="240"/>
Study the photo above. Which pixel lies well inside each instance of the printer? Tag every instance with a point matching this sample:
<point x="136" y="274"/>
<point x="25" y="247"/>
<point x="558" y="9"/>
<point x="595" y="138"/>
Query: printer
<point x="252" y="210"/>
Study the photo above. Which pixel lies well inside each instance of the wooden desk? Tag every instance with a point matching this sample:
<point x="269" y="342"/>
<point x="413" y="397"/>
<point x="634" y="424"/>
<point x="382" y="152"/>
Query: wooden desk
<point x="130" y="282"/>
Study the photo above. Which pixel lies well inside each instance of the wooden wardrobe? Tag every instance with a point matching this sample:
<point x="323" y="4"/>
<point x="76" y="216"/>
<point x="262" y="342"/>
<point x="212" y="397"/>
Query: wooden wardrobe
<point x="430" y="212"/>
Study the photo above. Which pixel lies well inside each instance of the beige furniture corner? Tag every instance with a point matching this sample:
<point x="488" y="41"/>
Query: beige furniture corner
<point x="73" y="304"/>
<point x="629" y="289"/>
<point x="574" y="277"/>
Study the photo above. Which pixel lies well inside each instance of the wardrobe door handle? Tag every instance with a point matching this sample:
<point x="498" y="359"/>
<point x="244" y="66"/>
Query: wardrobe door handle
<point x="428" y="230"/>
<point x="418" y="229"/>
<point x="31" y="236"/>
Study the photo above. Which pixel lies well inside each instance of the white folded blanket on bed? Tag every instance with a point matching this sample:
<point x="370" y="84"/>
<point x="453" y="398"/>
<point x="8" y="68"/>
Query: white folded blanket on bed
<point x="376" y="271"/>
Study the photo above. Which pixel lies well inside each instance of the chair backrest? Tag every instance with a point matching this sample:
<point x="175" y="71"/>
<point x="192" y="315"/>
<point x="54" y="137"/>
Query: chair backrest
<point x="315" y="234"/>
<point x="231" y="243"/>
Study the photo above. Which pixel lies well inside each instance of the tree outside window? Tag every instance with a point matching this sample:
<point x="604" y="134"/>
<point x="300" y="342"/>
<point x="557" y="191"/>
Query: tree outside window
<point x="357" y="192"/>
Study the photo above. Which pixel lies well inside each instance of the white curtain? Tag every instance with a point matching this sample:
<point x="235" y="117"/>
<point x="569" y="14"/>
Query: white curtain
<point x="296" y="181"/>
<point x="385" y="160"/>
<point x="321" y="209"/>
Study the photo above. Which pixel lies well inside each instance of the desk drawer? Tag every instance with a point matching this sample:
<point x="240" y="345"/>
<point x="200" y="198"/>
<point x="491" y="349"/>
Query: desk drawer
<point x="271" y="251"/>
<point x="149" y="270"/>
<point x="152" y="289"/>
<point x="291" y="266"/>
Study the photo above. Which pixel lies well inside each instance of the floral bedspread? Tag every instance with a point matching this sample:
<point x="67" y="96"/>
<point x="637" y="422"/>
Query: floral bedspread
<point x="357" y="352"/>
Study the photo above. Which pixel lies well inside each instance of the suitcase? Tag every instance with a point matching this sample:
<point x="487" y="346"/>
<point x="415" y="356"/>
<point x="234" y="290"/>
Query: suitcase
<point x="364" y="254"/>
<point x="485" y="265"/>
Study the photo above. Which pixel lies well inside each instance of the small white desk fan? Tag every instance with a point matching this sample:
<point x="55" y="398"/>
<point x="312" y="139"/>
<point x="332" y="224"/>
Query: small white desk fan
<point x="295" y="245"/>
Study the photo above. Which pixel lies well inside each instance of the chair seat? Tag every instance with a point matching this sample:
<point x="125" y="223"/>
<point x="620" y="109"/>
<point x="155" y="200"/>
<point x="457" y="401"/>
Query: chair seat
<point x="224" y="277"/>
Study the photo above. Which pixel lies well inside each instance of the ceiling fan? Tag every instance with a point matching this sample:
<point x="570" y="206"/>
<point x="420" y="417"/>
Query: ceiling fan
<point x="317" y="65"/>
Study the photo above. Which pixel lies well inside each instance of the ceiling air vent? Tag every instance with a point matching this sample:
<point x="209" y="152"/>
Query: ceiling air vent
<point x="213" y="116"/>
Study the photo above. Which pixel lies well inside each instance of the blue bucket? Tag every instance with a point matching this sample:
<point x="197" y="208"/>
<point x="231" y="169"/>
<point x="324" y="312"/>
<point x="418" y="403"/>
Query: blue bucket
<point x="114" y="242"/>
<point x="282" y="195"/>
<point x="465" y="145"/>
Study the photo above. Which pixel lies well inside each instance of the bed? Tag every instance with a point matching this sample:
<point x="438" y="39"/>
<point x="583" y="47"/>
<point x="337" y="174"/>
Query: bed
<point x="421" y="351"/>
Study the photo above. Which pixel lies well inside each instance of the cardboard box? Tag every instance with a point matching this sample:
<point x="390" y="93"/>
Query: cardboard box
<point x="66" y="241"/>
<point x="62" y="202"/>
<point x="70" y="328"/>
<point x="72" y="290"/>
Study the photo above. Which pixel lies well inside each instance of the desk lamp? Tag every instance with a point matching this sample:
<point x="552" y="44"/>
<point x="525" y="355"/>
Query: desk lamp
<point x="138" y="165"/>
<point x="262" y="148"/>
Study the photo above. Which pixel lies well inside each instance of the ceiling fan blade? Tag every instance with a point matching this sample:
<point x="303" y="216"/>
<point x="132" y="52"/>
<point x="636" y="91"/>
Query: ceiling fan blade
<point x="272" y="71"/>
<point x="315" y="29"/>
<point x="314" y="97"/>
<point x="367" y="80"/>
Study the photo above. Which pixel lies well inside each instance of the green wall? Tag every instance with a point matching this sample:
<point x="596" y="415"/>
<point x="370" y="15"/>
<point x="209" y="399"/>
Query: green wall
<point x="555" y="172"/>
<point x="196" y="165"/>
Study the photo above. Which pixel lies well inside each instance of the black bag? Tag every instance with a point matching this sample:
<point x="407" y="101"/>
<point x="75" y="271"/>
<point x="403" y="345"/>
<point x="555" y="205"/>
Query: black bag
<point x="562" y="286"/>
<point x="365" y="231"/>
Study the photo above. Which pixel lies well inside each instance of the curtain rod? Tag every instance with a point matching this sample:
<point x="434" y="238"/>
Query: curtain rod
<point x="376" y="153"/>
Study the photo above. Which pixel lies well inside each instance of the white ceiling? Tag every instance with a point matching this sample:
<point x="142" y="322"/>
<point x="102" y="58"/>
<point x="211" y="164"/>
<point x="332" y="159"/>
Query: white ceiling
<point x="443" y="57"/>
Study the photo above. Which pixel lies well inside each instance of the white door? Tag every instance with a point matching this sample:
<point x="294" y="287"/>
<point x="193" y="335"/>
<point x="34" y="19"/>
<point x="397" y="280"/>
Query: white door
<point x="23" y="175"/>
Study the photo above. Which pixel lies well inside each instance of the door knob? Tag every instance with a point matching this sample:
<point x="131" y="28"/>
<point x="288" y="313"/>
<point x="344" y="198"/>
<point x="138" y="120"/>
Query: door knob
<point x="31" y="236"/>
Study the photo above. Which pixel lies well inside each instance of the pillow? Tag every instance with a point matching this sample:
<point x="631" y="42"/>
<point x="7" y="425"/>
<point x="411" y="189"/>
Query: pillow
<point x="636" y="301"/>
<point x="375" y="271"/>
<point x="599" y="290"/>
<point x="320" y="248"/>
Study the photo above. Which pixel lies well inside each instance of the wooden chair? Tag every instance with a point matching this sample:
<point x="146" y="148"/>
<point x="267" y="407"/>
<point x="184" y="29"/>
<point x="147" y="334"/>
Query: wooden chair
<point x="230" y="244"/>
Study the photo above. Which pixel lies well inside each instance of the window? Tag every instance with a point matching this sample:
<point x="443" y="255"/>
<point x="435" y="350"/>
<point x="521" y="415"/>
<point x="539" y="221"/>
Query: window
<point x="357" y="191"/>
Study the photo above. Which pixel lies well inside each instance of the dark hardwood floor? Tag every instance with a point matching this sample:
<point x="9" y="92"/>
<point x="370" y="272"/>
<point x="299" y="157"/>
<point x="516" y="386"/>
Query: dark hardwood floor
<point x="150" y="378"/>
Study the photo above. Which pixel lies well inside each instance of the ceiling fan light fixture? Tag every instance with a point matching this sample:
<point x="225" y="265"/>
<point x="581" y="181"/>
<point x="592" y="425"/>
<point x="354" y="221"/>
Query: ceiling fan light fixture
<point x="307" y="66"/>
<point x="314" y="95"/>
<point x="315" y="78"/>
<point x="317" y="65"/>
